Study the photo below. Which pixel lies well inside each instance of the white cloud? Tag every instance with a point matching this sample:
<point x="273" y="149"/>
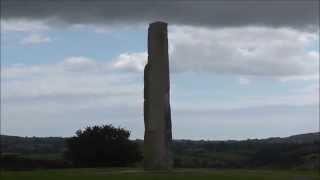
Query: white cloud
<point x="312" y="89"/>
<point x="23" y="25"/>
<point x="18" y="71"/>
<point x="242" y="51"/>
<point x="81" y="91"/>
<point x="80" y="63"/>
<point x="94" y="28"/>
<point x="73" y="77"/>
<point x="131" y="61"/>
<point x="35" y="39"/>
<point x="296" y="98"/>
<point x="299" y="78"/>
<point x="258" y="51"/>
<point x="83" y="77"/>
<point x="244" y="81"/>
<point x="243" y="123"/>
<point x="79" y="60"/>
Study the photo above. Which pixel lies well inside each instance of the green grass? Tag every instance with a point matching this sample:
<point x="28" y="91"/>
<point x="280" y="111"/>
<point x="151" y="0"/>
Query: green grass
<point x="177" y="174"/>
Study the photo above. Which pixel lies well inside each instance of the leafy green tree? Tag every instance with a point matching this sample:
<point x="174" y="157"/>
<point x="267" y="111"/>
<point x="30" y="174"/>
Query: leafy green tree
<point x="102" y="146"/>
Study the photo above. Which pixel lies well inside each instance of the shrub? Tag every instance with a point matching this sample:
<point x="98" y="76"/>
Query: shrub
<point x="102" y="146"/>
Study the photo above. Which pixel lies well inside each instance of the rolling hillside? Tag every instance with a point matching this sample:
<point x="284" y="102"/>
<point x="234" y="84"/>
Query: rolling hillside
<point x="298" y="151"/>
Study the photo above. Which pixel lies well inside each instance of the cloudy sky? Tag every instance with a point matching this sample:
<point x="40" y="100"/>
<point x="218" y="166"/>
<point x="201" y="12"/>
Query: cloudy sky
<point x="239" y="69"/>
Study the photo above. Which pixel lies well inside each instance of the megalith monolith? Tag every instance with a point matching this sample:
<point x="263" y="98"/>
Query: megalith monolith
<point x="157" y="115"/>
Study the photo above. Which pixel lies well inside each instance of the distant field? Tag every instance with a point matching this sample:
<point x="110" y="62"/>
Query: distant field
<point x="138" y="174"/>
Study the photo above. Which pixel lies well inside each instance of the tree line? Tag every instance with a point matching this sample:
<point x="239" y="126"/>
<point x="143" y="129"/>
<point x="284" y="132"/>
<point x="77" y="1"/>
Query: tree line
<point x="107" y="146"/>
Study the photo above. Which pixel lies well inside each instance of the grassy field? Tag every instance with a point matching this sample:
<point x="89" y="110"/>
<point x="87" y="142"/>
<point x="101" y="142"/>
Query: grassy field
<point x="177" y="174"/>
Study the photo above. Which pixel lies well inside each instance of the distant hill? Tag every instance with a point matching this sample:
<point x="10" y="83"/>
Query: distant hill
<point x="304" y="138"/>
<point x="298" y="151"/>
<point x="34" y="145"/>
<point x="49" y="147"/>
<point x="300" y="139"/>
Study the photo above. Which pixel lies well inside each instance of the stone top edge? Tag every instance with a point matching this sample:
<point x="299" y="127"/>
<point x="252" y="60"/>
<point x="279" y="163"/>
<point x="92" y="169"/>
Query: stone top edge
<point x="158" y="23"/>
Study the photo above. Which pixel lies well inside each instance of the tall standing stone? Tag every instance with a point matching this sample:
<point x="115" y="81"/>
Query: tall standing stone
<point x="157" y="115"/>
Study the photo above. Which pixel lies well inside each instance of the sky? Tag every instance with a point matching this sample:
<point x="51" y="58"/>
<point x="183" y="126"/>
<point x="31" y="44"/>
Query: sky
<point x="238" y="69"/>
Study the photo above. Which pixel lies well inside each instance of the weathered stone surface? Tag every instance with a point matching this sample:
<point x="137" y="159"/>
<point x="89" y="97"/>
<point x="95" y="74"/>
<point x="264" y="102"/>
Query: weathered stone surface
<point x="157" y="115"/>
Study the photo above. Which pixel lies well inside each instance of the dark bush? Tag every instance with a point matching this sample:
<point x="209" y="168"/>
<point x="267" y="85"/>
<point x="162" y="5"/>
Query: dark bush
<point x="102" y="146"/>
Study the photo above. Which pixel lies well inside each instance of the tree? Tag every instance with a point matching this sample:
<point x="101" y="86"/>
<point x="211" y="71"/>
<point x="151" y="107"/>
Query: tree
<point x="102" y="146"/>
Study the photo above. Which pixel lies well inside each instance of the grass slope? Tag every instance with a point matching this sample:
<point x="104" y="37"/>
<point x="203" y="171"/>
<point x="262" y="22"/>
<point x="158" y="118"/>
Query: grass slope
<point x="177" y="174"/>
